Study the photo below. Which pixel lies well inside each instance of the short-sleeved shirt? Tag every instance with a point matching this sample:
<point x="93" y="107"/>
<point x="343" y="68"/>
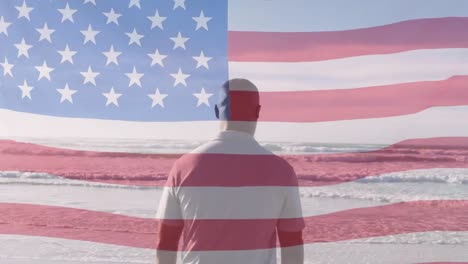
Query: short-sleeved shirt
<point x="234" y="196"/>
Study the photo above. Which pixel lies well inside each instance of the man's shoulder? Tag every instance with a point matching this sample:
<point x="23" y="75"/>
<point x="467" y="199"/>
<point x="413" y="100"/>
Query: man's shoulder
<point x="216" y="146"/>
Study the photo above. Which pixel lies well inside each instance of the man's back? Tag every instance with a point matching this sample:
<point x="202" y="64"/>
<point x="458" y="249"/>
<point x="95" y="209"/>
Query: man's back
<point x="233" y="196"/>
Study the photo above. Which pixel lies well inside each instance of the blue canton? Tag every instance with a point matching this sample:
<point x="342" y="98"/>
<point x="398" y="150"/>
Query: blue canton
<point x="135" y="60"/>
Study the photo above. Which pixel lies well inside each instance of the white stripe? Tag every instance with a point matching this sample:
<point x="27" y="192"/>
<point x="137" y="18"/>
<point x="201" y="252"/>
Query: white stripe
<point x="354" y="72"/>
<point x="234" y="203"/>
<point x="17" y="124"/>
<point x="44" y="250"/>
<point x="130" y="202"/>
<point x="331" y="15"/>
<point x="387" y="252"/>
<point x="425" y="247"/>
<point x="434" y="122"/>
<point x="143" y="202"/>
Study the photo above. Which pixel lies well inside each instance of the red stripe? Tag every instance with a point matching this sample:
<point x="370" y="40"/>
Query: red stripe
<point x="312" y="169"/>
<point x="76" y="224"/>
<point x="315" y="46"/>
<point x="400" y="218"/>
<point x="359" y="103"/>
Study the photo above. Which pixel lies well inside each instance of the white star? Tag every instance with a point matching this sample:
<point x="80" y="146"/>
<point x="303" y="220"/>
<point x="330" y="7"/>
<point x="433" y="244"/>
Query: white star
<point x="134" y="3"/>
<point x="23" y="49"/>
<point x="202" y="21"/>
<point x="180" y="78"/>
<point x="44" y="71"/>
<point x="202" y="60"/>
<point x="134" y="38"/>
<point x="112" y="17"/>
<point x="134" y="77"/>
<point x="179" y="3"/>
<point x="66" y="94"/>
<point x="203" y="97"/>
<point x="157" y="58"/>
<point x="45" y="32"/>
<point x="4" y="26"/>
<point x="179" y="41"/>
<point x="67" y="13"/>
<point x="67" y="54"/>
<point x="158" y="98"/>
<point x="112" y="97"/>
<point x="24" y="10"/>
<point x="112" y="56"/>
<point x="89" y="34"/>
<point x="90" y="76"/>
<point x="157" y="20"/>
<point x="90" y="1"/>
<point x="7" y="68"/>
<point x="25" y="90"/>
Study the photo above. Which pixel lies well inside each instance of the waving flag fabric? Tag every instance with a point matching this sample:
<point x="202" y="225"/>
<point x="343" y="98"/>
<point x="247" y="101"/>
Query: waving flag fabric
<point x="365" y="99"/>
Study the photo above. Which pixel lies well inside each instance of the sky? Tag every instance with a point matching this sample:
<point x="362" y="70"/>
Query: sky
<point x="275" y="15"/>
<point x="330" y="15"/>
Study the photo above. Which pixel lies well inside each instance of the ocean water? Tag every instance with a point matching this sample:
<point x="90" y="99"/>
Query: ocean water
<point x="373" y="190"/>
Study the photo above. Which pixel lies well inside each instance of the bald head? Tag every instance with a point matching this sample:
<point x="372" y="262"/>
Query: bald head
<point x="241" y="85"/>
<point x="238" y="105"/>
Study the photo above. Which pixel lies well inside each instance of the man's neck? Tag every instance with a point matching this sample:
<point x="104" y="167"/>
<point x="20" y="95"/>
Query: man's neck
<point x="244" y="127"/>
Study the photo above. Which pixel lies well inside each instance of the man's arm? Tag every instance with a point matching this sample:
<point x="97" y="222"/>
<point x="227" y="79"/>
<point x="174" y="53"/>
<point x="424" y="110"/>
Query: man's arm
<point x="170" y="222"/>
<point x="292" y="249"/>
<point x="167" y="244"/>
<point x="291" y="224"/>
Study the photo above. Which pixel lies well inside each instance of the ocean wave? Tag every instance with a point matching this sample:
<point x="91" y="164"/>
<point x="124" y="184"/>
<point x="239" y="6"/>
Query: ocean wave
<point x="147" y="146"/>
<point x="434" y="184"/>
<point x="425" y="238"/>
<point x="443" y="176"/>
<point x="183" y="146"/>
<point x="38" y="178"/>
<point x="318" y="180"/>
<point x="285" y="148"/>
<point x="437" y="175"/>
<point x="382" y="197"/>
<point x="142" y="146"/>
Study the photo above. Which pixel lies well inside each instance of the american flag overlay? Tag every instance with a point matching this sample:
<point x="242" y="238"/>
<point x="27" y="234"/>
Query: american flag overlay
<point x="365" y="100"/>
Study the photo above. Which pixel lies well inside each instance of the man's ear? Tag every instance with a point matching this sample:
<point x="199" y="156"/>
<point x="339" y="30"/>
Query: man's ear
<point x="216" y="111"/>
<point x="259" y="107"/>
